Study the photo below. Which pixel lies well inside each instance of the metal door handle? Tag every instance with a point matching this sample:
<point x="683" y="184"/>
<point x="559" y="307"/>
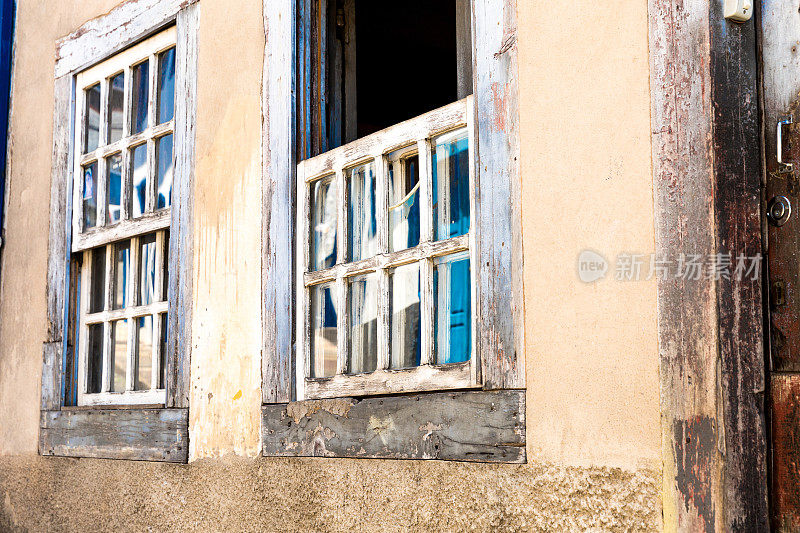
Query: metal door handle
<point x="783" y="168"/>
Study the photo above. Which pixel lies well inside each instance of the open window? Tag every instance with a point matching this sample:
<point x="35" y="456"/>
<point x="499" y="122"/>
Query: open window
<point x="402" y="206"/>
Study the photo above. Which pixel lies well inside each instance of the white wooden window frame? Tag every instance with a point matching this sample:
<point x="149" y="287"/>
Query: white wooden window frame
<point x="128" y="229"/>
<point x="415" y="136"/>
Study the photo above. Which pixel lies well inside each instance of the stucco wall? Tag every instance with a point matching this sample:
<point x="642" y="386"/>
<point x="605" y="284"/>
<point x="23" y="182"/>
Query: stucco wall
<point x="592" y="361"/>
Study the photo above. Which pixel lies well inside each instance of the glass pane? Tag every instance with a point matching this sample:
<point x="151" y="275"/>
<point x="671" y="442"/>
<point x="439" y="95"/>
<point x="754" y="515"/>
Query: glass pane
<point x="91" y="137"/>
<point x="362" y="297"/>
<point x="452" y="313"/>
<point x="114" y="173"/>
<point x="323" y="224"/>
<point x="122" y="269"/>
<point x="144" y="356"/>
<point x="166" y="86"/>
<point x="139" y="173"/>
<point x="97" y="297"/>
<point x="141" y="97"/>
<point x="165" y="167"/>
<point x="116" y="103"/>
<point x="90" y="195"/>
<point x="405" y="345"/>
<point x="362" y="224"/>
<point x="165" y="277"/>
<point x="403" y="203"/>
<point x="451" y="186"/>
<point x="323" y="331"/>
<point x="147" y="269"/>
<point x="94" y="383"/>
<point x="119" y="354"/>
<point x="163" y="359"/>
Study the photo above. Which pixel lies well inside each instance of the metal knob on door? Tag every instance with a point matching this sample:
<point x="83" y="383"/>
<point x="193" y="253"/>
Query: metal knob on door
<point x="779" y="209"/>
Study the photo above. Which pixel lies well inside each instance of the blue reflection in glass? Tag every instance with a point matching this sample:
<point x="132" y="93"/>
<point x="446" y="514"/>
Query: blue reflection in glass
<point x="166" y="86"/>
<point x="114" y="173"/>
<point x="165" y="171"/>
<point x="141" y="97"/>
<point x="403" y="203"/>
<point x="323" y="223"/>
<point x="91" y="137"/>
<point x="90" y="195"/>
<point x="116" y="104"/>
<point x="139" y="173"/>
<point x="362" y="317"/>
<point x="451" y="214"/>
<point x="405" y="347"/>
<point x="362" y="235"/>
<point x="452" y="299"/>
<point x="122" y="273"/>
<point x="323" y="331"/>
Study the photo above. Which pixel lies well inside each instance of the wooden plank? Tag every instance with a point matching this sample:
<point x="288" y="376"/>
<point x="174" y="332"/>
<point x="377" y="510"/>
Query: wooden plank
<point x="278" y="203"/>
<point x="58" y="243"/>
<point x="785" y="392"/>
<point x="497" y="221"/>
<point x="133" y="434"/>
<point x="116" y="30"/>
<point x="125" y="229"/>
<point x="464" y="48"/>
<point x="475" y="426"/>
<point x="181" y="242"/>
<point x="737" y="218"/>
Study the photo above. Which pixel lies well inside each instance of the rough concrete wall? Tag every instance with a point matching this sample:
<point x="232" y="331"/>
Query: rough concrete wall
<point x="236" y="494"/>
<point x="592" y="349"/>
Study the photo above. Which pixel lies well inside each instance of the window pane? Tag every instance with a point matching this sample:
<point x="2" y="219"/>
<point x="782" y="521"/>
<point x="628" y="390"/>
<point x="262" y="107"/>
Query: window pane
<point x="165" y="167"/>
<point x="116" y="103"/>
<point x="119" y="354"/>
<point x="323" y="331"/>
<point x="141" y="97"/>
<point x="94" y="381"/>
<point x="323" y="223"/>
<point x="403" y="203"/>
<point x="452" y="313"/>
<point x="90" y="195"/>
<point x="451" y="186"/>
<point x="97" y="297"/>
<point x="122" y="269"/>
<point x="362" y="297"/>
<point x="166" y="86"/>
<point x="147" y="269"/>
<point x="144" y="356"/>
<point x="163" y="364"/>
<point x="114" y="173"/>
<point x="404" y="326"/>
<point x="139" y="173"/>
<point x="91" y="137"/>
<point x="362" y="224"/>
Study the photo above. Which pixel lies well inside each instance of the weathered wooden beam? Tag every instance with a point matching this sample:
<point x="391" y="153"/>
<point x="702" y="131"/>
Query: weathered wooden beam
<point x="277" y="229"/>
<point x="140" y="434"/>
<point x="475" y="426"/>
<point x="501" y="336"/>
<point x="706" y="174"/>
<point x="119" y="28"/>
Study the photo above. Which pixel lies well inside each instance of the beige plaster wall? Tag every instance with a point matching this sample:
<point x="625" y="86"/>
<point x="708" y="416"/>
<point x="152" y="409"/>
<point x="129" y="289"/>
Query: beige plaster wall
<point x="592" y="349"/>
<point x="592" y="362"/>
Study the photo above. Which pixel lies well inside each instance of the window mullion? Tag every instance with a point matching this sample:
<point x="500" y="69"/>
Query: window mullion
<point x="102" y="179"/>
<point x="341" y="283"/>
<point x="133" y="330"/>
<point x="426" y="311"/>
<point x="83" y="339"/>
<point x="107" y="374"/>
<point x="342" y="325"/>
<point x="157" y="297"/>
<point x="382" y="219"/>
<point x="425" y="193"/>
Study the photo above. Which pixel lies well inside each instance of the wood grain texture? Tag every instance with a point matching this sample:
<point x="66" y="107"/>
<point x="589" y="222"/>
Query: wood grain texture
<point x="58" y="243"/>
<point x="457" y="426"/>
<point x="181" y="242"/>
<point x="501" y="336"/>
<point x="122" y="26"/>
<point x="705" y="172"/>
<point x="785" y="389"/>
<point x="277" y="239"/>
<point x="133" y="434"/>
<point x="737" y="218"/>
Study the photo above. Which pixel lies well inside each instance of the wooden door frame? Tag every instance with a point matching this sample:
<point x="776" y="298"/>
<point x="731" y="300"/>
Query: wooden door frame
<point x="707" y="171"/>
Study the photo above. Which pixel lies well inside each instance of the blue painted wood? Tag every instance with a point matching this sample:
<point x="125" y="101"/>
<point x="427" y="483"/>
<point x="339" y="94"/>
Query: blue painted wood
<point x="6" y="43"/>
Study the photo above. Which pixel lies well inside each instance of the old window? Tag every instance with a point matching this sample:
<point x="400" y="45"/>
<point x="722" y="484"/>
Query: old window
<point x="120" y="255"/>
<point x="403" y="214"/>
<point x="123" y="185"/>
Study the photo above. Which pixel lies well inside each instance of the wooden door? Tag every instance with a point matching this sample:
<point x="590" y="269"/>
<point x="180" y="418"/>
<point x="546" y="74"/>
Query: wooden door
<point x="780" y="42"/>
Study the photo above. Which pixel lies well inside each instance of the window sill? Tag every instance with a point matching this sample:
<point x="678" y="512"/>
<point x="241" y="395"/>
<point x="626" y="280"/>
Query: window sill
<point x="139" y="434"/>
<point x="476" y="426"/>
